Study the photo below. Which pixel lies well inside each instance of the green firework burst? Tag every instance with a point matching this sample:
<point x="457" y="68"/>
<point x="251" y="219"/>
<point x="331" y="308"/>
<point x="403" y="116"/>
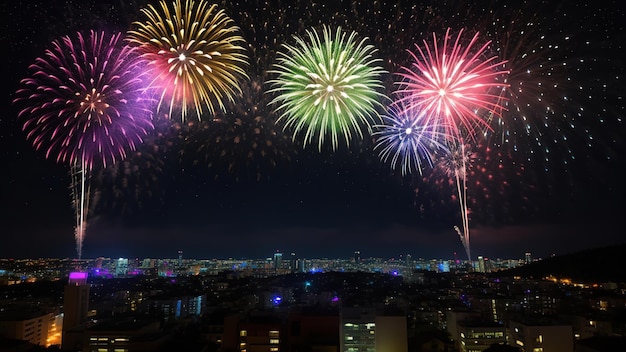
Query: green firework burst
<point x="328" y="87"/>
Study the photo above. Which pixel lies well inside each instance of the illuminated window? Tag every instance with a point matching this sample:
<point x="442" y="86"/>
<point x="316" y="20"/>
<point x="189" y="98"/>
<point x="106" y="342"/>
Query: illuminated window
<point x="540" y="339"/>
<point x="274" y="333"/>
<point x="274" y="341"/>
<point x="243" y="333"/>
<point x="274" y="349"/>
<point x="538" y="349"/>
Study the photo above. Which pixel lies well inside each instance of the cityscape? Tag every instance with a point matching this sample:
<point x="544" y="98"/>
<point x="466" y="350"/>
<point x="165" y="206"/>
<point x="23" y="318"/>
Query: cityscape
<point x="287" y="303"/>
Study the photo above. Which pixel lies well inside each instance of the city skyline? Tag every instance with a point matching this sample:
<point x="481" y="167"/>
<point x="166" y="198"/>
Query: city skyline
<point x="246" y="189"/>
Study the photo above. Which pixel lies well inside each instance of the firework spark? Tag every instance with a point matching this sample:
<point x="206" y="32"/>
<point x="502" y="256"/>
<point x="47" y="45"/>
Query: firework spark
<point x="85" y="105"/>
<point x="195" y="52"/>
<point x="243" y="144"/>
<point x="327" y="87"/>
<point x="407" y="140"/>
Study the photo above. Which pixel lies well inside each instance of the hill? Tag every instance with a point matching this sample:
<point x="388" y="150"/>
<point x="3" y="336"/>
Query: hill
<point x="594" y="265"/>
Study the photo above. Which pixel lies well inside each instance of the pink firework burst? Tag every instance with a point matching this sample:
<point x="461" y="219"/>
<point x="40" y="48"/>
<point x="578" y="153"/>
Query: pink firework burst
<point x="84" y="100"/>
<point x="453" y="83"/>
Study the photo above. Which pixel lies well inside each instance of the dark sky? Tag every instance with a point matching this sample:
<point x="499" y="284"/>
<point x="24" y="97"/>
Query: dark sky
<point x="244" y="189"/>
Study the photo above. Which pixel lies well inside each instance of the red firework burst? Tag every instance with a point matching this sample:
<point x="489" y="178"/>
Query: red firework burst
<point x="454" y="84"/>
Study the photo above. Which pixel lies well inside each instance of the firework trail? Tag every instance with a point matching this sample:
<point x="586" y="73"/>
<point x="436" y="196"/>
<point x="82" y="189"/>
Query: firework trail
<point x="407" y="140"/>
<point x="85" y="106"/>
<point x="453" y="84"/>
<point x="327" y="87"/>
<point x="457" y="163"/>
<point x="195" y="52"/>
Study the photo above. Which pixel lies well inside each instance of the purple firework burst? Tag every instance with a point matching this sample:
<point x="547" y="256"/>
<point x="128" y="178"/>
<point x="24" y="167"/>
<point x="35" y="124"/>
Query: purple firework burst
<point x="85" y="100"/>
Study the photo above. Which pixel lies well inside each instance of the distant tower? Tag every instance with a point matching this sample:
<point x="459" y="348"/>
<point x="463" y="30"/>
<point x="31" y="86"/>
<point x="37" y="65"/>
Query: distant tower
<point x="75" y="306"/>
<point x="481" y="264"/>
<point x="278" y="260"/>
<point x="527" y="258"/>
<point x="293" y="263"/>
<point x="180" y="258"/>
<point x="357" y="257"/>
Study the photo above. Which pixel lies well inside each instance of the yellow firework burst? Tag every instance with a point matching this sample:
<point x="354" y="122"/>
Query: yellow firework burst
<point x="195" y="52"/>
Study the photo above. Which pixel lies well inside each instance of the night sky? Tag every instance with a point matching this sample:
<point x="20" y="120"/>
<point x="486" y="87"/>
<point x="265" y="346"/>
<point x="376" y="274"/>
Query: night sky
<point x="241" y="187"/>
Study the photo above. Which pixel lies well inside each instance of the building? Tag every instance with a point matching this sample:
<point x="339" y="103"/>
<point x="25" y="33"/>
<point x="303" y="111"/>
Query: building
<point x="313" y="330"/>
<point x="125" y="336"/>
<point x="293" y="263"/>
<point x="478" y="335"/>
<point x="278" y="260"/>
<point x="528" y="258"/>
<point x="75" y="309"/>
<point x="261" y="333"/>
<point x="174" y="308"/>
<point x="26" y="324"/>
<point x="366" y="329"/>
<point x="121" y="269"/>
<point x="537" y="336"/>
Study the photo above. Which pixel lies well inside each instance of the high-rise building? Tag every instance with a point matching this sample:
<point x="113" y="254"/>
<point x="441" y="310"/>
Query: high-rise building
<point x="278" y="260"/>
<point x="180" y="258"/>
<point x="75" y="308"/>
<point x="481" y="264"/>
<point x="293" y="263"/>
<point x="527" y="258"/>
<point x="357" y="257"/>
<point x="121" y="267"/>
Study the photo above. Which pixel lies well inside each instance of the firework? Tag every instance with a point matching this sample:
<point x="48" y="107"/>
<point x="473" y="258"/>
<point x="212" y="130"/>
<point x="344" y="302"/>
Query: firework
<point x="85" y="105"/>
<point x="84" y="101"/>
<point x="453" y="83"/>
<point x="457" y="163"/>
<point x="458" y="87"/>
<point x="195" y="52"/>
<point x="407" y="140"/>
<point x="559" y="93"/>
<point x="327" y="87"/>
